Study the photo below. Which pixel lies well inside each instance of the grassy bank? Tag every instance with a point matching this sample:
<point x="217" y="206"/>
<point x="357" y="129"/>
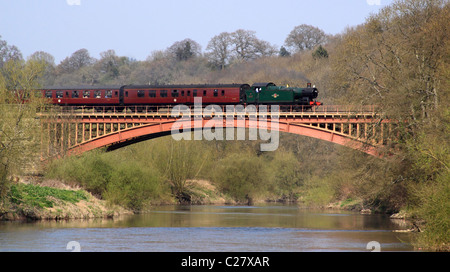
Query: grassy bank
<point x="41" y="202"/>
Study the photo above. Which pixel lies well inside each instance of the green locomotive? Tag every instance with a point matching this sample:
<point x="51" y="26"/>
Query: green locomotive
<point x="269" y="93"/>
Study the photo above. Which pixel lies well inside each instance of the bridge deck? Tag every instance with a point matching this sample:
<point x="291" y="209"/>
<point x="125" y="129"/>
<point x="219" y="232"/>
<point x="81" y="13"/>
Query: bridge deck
<point x="76" y="128"/>
<point x="155" y="112"/>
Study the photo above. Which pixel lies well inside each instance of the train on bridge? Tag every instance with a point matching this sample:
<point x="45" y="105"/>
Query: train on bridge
<point x="168" y="95"/>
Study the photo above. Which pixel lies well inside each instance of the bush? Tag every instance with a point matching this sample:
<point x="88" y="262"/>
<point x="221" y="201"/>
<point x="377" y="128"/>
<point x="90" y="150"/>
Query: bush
<point x="318" y="191"/>
<point x="89" y="170"/>
<point x="242" y="176"/>
<point x="133" y="186"/>
<point x="433" y="207"/>
<point x="128" y="183"/>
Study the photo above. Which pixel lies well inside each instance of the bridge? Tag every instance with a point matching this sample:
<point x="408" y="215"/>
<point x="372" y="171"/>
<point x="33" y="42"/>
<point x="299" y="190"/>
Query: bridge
<point x="75" y="130"/>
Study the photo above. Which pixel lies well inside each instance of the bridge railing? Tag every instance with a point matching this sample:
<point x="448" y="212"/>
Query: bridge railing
<point x="167" y="110"/>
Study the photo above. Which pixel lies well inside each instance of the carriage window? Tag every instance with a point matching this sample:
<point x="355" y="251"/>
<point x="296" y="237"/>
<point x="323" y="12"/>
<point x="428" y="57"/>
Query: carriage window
<point x="204" y="92"/>
<point x="141" y="93"/>
<point x="216" y="92"/>
<point x="194" y="93"/>
<point x="75" y="94"/>
<point x="108" y="94"/>
<point x="163" y="93"/>
<point x="223" y="92"/>
<point x="175" y="93"/>
<point x="86" y="94"/>
<point x="188" y="93"/>
<point x="59" y="94"/>
<point x="152" y="93"/>
<point x="115" y="93"/>
<point x="48" y="94"/>
<point x="182" y="93"/>
<point x="97" y="94"/>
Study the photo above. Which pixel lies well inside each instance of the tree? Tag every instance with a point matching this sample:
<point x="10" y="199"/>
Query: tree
<point x="48" y="61"/>
<point x="244" y="42"/>
<point x="397" y="58"/>
<point x="109" y="64"/>
<point x="76" y="61"/>
<point x="305" y="37"/>
<point x="320" y="53"/>
<point x="178" y="162"/>
<point x="185" y="49"/>
<point x="264" y="48"/>
<point x="219" y="50"/>
<point x="283" y="52"/>
<point x="8" y="52"/>
<point x="43" y="56"/>
<point x="19" y="128"/>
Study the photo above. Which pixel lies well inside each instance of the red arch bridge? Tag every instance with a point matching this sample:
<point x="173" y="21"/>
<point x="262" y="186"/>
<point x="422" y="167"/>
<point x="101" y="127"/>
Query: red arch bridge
<point x="74" y="130"/>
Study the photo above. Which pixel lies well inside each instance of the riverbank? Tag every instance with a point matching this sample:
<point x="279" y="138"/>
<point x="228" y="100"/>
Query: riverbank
<point x="36" y="199"/>
<point x="32" y="199"/>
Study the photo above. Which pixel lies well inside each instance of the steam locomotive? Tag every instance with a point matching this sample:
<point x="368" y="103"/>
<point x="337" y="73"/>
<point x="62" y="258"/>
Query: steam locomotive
<point x="166" y="95"/>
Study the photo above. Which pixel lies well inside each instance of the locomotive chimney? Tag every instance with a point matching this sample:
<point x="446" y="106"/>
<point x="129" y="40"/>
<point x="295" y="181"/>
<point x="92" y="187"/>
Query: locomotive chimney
<point x="309" y="85"/>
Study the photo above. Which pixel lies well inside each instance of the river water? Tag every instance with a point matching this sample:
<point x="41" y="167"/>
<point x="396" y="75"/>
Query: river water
<point x="263" y="228"/>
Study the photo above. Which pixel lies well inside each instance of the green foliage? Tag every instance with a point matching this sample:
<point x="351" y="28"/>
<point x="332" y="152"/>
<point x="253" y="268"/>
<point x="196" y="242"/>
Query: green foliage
<point x="132" y="186"/>
<point x="91" y="171"/>
<point x="318" y="191"/>
<point x="433" y="207"/>
<point x="19" y="128"/>
<point x="242" y="176"/>
<point x="287" y="174"/>
<point x="320" y="53"/>
<point x="43" y="197"/>
<point x="283" y="52"/>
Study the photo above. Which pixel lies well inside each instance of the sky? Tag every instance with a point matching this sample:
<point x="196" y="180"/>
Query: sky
<point x="136" y="28"/>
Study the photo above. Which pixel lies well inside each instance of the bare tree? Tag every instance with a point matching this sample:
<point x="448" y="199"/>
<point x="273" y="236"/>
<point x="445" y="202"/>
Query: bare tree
<point x="77" y="60"/>
<point x="8" y="52"/>
<point x="264" y="48"/>
<point x="43" y="56"/>
<point x="241" y="45"/>
<point x="244" y="44"/>
<point x="219" y="49"/>
<point x="109" y="64"/>
<point x="305" y="37"/>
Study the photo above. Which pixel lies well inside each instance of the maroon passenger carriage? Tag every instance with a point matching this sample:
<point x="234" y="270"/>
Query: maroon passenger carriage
<point x="145" y="96"/>
<point x="83" y="96"/>
<point x="181" y="94"/>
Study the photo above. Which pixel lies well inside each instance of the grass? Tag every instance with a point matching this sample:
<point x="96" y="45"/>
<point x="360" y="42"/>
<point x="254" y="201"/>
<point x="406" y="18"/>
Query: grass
<point x="43" y="197"/>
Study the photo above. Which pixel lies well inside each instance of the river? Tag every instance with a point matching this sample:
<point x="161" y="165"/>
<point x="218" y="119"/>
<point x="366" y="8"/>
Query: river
<point x="268" y="228"/>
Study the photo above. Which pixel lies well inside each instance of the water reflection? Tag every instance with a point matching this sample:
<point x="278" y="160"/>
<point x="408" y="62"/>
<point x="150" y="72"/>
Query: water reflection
<point x="211" y="228"/>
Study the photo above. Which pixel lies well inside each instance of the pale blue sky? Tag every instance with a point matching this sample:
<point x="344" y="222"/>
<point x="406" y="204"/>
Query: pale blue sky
<point x="135" y="28"/>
